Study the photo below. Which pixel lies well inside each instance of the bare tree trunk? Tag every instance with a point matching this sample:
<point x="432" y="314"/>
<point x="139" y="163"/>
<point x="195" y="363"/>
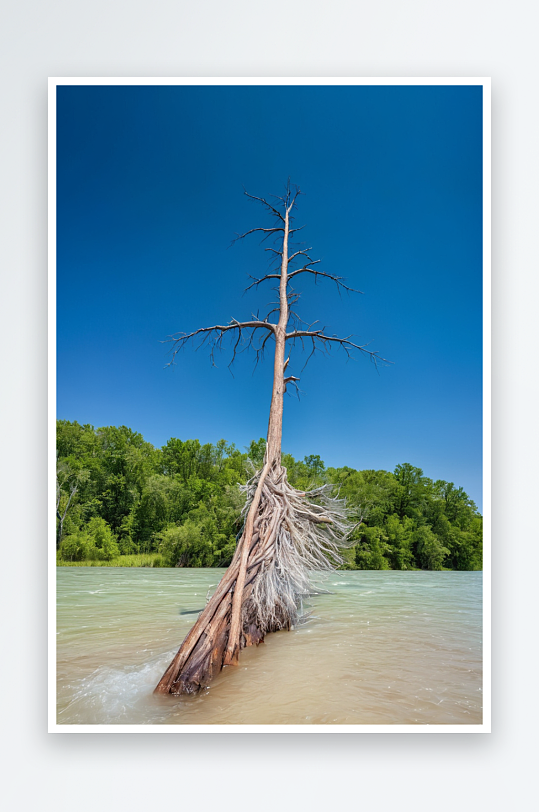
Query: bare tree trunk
<point x="233" y="644"/>
<point x="273" y="454"/>
<point x="275" y="425"/>
<point x="61" y="517"/>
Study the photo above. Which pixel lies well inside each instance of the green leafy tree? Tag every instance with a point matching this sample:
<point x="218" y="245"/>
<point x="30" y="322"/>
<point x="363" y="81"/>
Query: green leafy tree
<point x="409" y="496"/>
<point x="184" y="546"/>
<point x="399" y="535"/>
<point x="102" y="539"/>
<point x="256" y="452"/>
<point x="111" y="474"/>
<point x="75" y="547"/>
<point x="127" y="541"/>
<point x="371" y="548"/>
<point x="430" y="552"/>
<point x="126" y="463"/>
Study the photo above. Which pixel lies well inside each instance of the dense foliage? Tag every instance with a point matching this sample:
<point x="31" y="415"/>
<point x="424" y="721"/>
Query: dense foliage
<point x="117" y="495"/>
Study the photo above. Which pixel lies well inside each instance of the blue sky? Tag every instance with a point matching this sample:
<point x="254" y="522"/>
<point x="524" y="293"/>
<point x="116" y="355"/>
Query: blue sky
<point x="149" y="196"/>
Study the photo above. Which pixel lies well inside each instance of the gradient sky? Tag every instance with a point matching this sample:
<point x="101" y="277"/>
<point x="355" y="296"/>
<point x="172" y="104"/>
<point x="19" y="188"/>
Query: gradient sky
<point x="149" y="196"/>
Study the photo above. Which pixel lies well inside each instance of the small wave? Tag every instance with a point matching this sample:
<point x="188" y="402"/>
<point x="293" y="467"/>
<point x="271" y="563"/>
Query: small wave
<point x="114" y="695"/>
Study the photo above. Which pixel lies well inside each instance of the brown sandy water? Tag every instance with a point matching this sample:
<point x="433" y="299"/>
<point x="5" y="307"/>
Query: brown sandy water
<point x="382" y="648"/>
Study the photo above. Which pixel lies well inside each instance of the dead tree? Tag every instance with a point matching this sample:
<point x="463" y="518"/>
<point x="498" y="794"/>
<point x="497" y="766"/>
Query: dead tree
<point x="286" y="533"/>
<point x="66" y="480"/>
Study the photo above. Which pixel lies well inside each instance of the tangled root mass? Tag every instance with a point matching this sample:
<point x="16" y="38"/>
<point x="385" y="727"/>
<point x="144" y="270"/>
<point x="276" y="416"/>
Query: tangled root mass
<point x="293" y="534"/>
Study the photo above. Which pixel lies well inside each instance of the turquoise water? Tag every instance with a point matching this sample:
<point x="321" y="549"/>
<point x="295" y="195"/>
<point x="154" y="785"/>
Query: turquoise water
<point x="382" y="648"/>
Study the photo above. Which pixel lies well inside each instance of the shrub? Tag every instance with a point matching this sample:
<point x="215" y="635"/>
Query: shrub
<point x="75" y="546"/>
<point x="95" y="542"/>
<point x="430" y="551"/>
<point x="371" y="548"/>
<point x="184" y="546"/>
<point x="103" y="540"/>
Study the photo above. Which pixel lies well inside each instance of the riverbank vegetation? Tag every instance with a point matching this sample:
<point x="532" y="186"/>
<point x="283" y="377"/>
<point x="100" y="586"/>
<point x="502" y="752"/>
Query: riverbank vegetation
<point x="120" y="500"/>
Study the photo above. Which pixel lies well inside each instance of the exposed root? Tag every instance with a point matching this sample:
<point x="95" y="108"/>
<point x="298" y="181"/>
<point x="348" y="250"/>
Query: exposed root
<point x="287" y="534"/>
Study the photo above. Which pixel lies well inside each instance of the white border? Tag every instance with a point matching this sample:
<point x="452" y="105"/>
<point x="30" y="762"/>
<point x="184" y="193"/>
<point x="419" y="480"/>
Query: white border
<point x="485" y="727"/>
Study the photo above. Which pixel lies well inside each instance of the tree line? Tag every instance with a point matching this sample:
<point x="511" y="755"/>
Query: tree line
<point x="118" y="495"/>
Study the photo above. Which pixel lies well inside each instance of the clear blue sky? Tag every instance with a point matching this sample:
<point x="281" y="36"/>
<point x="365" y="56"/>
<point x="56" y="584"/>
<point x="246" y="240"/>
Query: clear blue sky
<point x="150" y="194"/>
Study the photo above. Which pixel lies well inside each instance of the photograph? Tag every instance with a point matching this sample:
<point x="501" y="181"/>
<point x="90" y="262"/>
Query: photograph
<point x="269" y="449"/>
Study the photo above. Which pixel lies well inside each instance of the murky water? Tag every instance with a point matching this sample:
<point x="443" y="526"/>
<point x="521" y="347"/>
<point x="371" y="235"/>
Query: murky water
<point x="383" y="648"/>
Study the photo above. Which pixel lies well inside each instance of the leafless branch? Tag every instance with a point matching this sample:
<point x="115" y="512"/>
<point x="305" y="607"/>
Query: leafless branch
<point x="337" y="279"/>
<point x="302" y="253"/>
<point x="259" y="351"/>
<point x="322" y="341"/>
<point x="298" y="318"/>
<point x="265" y="202"/>
<point x="297" y="193"/>
<point x="257" y="281"/>
<point x="288" y="201"/>
<point x="272" y="311"/>
<point x="295" y="385"/>
<point x="213" y="336"/>
<point x="267" y="232"/>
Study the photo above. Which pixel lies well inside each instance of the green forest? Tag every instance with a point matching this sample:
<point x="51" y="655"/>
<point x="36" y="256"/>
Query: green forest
<point x="122" y="502"/>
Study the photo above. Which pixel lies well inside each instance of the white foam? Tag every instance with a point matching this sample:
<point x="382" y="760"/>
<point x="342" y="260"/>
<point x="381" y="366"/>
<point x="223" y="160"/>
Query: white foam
<point x="114" y="695"/>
